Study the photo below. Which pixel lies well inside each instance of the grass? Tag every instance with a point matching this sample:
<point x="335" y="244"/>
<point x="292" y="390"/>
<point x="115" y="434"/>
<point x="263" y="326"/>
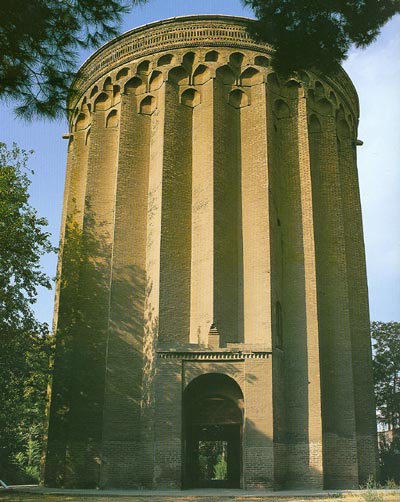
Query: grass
<point x="363" y="496"/>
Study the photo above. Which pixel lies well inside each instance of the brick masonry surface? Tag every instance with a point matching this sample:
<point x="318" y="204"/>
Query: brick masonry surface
<point x="211" y="252"/>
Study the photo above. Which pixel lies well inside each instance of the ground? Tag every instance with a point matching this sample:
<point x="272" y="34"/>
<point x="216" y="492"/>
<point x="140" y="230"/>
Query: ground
<point x="34" y="494"/>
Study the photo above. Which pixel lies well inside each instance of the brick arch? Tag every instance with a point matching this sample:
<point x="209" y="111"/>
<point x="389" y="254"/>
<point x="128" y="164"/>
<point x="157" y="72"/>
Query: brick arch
<point x="213" y="416"/>
<point x="212" y="56"/>
<point x="201" y="74"/>
<point x="165" y="60"/>
<point x="236" y="59"/>
<point x="225" y="74"/>
<point x="178" y="75"/>
<point x="124" y="72"/>
<point x="196" y="380"/>
<point x="102" y="102"/>
<point x="156" y="80"/>
<point x="134" y="86"/>
<point x="251" y="76"/>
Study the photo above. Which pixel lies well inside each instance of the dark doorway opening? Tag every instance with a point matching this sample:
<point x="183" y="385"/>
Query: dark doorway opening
<point x="214" y="456"/>
<point x="213" y="421"/>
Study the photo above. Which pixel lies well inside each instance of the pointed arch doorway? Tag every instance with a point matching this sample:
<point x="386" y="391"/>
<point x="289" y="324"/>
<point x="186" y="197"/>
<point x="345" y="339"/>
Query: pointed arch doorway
<point x="213" y="430"/>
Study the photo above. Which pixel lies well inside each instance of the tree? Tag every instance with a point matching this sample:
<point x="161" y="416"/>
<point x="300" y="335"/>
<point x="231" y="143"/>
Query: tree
<point x="39" y="44"/>
<point x="318" y="34"/>
<point x="24" y="375"/>
<point x="386" y="364"/>
<point x="22" y="242"/>
<point x="25" y="342"/>
<point x="40" y="40"/>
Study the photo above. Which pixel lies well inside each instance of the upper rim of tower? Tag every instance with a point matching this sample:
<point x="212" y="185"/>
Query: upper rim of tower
<point x="164" y="22"/>
<point x="191" y="31"/>
<point x="86" y="69"/>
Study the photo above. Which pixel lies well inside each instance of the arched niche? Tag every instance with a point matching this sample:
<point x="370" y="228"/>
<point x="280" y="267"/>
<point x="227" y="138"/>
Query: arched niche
<point x="281" y="109"/>
<point x="340" y="113"/>
<point x="343" y="129"/>
<point x="112" y="119"/>
<point x="324" y="107"/>
<point x="82" y="121"/>
<point x="124" y="72"/>
<point x="262" y="61"/>
<point x="251" y="76"/>
<point x="212" y="56"/>
<point x="188" y="60"/>
<point x="292" y="88"/>
<point x="147" y="105"/>
<point x="319" y="89"/>
<point x="116" y="92"/>
<point x="201" y="75"/>
<point x="102" y="102"/>
<point x="190" y="97"/>
<point x="107" y="86"/>
<point x="178" y="75"/>
<point x="143" y="67"/>
<point x="238" y="98"/>
<point x="314" y="125"/>
<point x="225" y="74"/>
<point x="156" y="80"/>
<point x="94" y="91"/>
<point x="165" y="60"/>
<point x="236" y="59"/>
<point x="134" y="86"/>
<point x="84" y="108"/>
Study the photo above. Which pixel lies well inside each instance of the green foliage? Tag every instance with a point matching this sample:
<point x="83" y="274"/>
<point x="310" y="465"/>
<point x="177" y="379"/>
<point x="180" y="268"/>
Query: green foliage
<point x="389" y="459"/>
<point x="212" y="463"/>
<point x="317" y="34"/>
<point x="391" y="483"/>
<point x="371" y="495"/>
<point x="22" y="242"/>
<point x="40" y="40"/>
<point x="39" y="44"/>
<point x="25" y="343"/>
<point x="386" y="364"/>
<point x="24" y="372"/>
<point x="221" y="468"/>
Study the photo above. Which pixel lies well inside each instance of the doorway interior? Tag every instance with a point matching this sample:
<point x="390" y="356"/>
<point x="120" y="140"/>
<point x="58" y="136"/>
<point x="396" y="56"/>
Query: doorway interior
<point x="213" y="424"/>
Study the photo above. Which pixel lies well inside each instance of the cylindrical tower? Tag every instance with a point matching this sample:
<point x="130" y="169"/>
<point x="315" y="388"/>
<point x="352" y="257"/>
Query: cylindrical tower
<point x="212" y="314"/>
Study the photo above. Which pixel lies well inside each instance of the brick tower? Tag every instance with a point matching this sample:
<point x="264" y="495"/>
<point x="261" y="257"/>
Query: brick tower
<point x="212" y="315"/>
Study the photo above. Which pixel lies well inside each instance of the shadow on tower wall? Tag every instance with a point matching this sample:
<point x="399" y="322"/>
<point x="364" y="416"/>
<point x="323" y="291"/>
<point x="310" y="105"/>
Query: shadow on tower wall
<point x="97" y="378"/>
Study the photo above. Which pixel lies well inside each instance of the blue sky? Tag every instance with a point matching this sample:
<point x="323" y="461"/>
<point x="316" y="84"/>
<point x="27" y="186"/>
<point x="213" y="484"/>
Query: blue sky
<point x="375" y="72"/>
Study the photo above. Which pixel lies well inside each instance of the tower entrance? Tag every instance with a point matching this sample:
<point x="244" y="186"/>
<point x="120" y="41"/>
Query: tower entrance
<point x="213" y="422"/>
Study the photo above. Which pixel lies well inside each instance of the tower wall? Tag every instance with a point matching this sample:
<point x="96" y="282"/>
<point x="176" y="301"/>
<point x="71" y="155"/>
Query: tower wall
<point x="211" y="224"/>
